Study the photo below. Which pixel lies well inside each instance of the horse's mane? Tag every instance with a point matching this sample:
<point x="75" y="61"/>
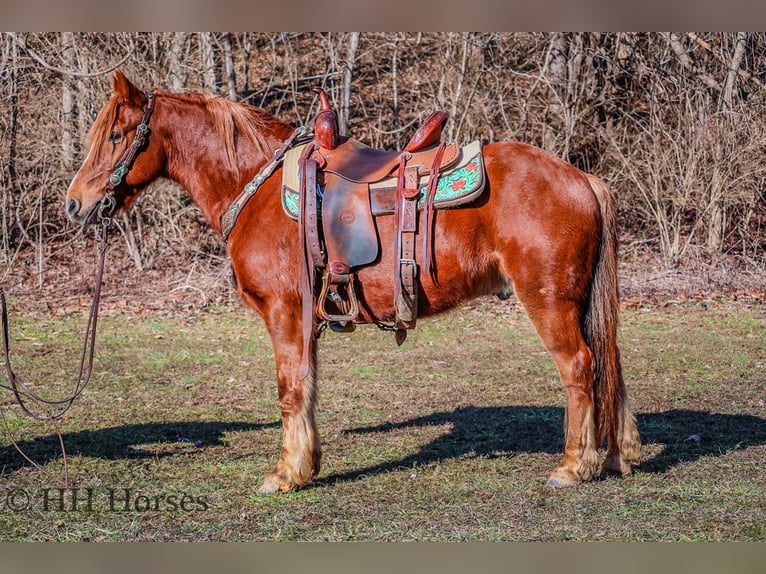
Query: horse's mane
<point x="231" y="120"/>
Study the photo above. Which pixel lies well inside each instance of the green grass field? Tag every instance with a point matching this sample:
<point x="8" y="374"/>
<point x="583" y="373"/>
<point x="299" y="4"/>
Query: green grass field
<point x="450" y="437"/>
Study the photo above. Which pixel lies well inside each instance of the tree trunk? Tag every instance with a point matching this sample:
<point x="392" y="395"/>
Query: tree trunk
<point x="353" y="44"/>
<point x="247" y="50"/>
<point x="395" y="90"/>
<point x="731" y="75"/>
<point x="228" y="58"/>
<point x="556" y="74"/>
<point x="716" y="230"/>
<point x="14" y="119"/>
<point x="10" y="57"/>
<point x="67" y="102"/>
<point x="176" y="73"/>
<point x="209" y="77"/>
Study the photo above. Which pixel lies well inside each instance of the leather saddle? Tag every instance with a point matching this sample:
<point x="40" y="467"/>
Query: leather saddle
<point x="336" y="187"/>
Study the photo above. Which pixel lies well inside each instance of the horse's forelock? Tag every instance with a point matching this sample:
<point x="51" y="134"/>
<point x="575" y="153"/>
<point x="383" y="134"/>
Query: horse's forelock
<point x="102" y="126"/>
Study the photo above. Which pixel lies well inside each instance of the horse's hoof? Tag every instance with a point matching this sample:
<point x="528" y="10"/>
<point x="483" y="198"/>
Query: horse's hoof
<point x="562" y="478"/>
<point x="273" y="484"/>
<point x="615" y="464"/>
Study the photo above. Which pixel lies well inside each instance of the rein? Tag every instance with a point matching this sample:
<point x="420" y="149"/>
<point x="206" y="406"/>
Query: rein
<point x="21" y="390"/>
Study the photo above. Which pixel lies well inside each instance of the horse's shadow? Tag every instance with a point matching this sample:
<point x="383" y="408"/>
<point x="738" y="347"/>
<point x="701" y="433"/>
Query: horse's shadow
<point x="681" y="435"/>
<point x="122" y="442"/>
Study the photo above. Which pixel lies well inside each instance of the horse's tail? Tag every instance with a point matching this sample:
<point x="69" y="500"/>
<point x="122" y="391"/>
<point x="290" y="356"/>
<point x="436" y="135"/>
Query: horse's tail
<point x="612" y="412"/>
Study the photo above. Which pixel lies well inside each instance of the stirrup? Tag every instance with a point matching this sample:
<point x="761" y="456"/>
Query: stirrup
<point x="324" y="294"/>
<point x="342" y="327"/>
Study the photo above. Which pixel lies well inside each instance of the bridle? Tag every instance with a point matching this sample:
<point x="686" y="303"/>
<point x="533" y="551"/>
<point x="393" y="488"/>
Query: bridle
<point x="108" y="203"/>
<point x="105" y="210"/>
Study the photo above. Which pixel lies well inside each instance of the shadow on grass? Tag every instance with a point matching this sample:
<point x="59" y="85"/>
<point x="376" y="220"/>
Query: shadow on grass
<point x="474" y="431"/>
<point x="122" y="442"/>
<point x="684" y="436"/>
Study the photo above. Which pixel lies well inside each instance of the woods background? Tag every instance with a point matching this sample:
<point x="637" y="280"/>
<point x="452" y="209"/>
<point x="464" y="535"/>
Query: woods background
<point x="672" y="121"/>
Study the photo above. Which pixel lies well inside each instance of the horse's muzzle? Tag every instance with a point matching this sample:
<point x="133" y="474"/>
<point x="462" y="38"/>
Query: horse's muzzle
<point x="72" y="207"/>
<point x="102" y="209"/>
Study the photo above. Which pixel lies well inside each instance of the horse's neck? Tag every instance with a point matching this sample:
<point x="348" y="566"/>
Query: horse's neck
<point x="201" y="166"/>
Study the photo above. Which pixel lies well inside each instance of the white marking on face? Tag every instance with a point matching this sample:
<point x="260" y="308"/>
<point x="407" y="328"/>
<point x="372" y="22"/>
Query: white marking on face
<point x="76" y="175"/>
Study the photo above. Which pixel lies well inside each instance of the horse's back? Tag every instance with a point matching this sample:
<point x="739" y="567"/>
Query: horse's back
<point x="529" y="178"/>
<point x="537" y="222"/>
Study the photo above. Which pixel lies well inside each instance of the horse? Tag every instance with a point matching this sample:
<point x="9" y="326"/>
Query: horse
<point x="542" y="229"/>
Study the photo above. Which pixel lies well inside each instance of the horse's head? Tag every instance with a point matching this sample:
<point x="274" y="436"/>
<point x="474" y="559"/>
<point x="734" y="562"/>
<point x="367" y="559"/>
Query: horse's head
<point x="123" y="157"/>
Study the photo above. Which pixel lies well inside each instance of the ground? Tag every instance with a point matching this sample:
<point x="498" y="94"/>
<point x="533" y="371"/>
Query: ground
<point x="449" y="437"/>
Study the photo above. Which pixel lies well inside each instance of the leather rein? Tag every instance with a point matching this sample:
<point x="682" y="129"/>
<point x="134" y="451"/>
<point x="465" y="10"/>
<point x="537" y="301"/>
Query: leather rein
<point x="21" y="390"/>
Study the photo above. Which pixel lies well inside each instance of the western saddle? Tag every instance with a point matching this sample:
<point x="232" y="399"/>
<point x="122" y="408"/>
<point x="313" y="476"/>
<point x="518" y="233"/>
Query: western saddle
<point x="336" y="186"/>
<point x="338" y="179"/>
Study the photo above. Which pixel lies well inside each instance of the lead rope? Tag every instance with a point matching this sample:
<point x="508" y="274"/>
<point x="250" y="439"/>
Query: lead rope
<point x="20" y="388"/>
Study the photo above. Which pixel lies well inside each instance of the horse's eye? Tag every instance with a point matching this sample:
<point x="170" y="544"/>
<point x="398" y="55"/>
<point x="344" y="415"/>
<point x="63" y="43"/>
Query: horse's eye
<point x="115" y="137"/>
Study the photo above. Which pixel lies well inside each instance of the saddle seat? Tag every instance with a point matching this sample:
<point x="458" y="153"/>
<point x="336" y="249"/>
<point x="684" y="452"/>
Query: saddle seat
<point x="354" y="161"/>
<point x="459" y="183"/>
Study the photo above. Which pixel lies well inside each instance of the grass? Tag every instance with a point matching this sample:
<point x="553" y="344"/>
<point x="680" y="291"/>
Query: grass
<point x="449" y="437"/>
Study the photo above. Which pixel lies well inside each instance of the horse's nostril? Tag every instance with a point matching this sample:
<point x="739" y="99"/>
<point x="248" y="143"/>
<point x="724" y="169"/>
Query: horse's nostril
<point x="72" y="207"/>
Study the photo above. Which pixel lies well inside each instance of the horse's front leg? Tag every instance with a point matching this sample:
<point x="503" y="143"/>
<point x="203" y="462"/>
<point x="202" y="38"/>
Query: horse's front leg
<point x="301" y="455"/>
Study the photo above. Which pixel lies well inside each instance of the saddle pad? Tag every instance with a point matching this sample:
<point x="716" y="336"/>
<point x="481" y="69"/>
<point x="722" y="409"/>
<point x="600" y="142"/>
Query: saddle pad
<point x="459" y="185"/>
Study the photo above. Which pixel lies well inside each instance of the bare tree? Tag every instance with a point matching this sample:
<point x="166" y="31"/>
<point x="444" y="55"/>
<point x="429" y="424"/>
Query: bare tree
<point x="207" y="54"/>
<point x="717" y="201"/>
<point x="8" y="176"/>
<point x="683" y="56"/>
<point x="228" y="59"/>
<point x="353" y="45"/>
<point x="672" y="121"/>
<point x="176" y="60"/>
<point x="67" y="103"/>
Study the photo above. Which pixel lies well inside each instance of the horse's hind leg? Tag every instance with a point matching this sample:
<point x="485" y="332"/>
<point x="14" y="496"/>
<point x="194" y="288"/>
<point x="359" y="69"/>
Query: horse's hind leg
<point x="558" y="323"/>
<point x="623" y="443"/>
<point x="300" y="459"/>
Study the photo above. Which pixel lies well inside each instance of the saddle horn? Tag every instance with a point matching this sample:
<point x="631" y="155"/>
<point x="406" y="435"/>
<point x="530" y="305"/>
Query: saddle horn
<point x="326" y="122"/>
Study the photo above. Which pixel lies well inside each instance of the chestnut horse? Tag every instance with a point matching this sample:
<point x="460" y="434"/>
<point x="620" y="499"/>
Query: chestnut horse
<point x="541" y="228"/>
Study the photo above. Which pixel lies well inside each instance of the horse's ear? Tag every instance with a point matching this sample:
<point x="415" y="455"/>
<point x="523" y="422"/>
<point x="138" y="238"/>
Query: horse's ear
<point x="124" y="88"/>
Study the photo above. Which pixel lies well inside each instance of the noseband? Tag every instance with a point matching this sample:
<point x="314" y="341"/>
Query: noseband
<point x="108" y="202"/>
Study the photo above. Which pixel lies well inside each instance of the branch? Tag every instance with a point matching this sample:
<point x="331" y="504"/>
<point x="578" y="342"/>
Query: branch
<point x="687" y="62"/>
<point x="40" y="60"/>
<point x="734" y="67"/>
<point x="717" y="55"/>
